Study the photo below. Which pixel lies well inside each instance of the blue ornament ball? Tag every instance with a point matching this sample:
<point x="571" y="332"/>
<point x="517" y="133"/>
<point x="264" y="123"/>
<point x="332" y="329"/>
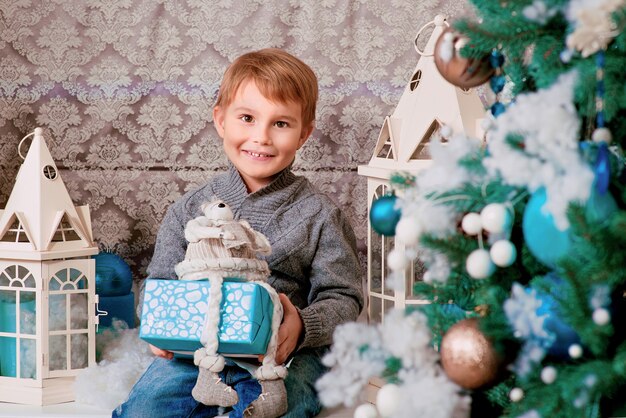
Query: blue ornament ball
<point x="563" y="334"/>
<point x="384" y="215"/>
<point x="113" y="275"/>
<point x="544" y="240"/>
<point x="547" y="242"/>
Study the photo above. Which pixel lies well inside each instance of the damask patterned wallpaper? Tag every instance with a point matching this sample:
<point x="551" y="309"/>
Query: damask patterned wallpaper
<point x="124" y="90"/>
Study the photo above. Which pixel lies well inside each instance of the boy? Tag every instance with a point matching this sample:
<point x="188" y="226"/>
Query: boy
<point x="264" y="113"/>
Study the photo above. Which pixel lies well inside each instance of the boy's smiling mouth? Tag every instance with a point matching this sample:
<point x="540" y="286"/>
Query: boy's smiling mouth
<point x="258" y="154"/>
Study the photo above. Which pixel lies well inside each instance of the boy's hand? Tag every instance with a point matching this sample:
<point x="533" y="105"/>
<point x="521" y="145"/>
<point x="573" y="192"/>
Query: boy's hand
<point x="161" y="353"/>
<point x="289" y="331"/>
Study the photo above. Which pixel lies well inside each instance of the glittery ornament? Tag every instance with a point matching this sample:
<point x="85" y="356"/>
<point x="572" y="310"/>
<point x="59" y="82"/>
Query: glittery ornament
<point x="468" y="357"/>
<point x="457" y="70"/>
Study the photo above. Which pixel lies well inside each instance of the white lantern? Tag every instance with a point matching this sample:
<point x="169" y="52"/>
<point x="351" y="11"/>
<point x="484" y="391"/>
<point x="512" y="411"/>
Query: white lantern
<point x="47" y="285"/>
<point x="428" y="107"/>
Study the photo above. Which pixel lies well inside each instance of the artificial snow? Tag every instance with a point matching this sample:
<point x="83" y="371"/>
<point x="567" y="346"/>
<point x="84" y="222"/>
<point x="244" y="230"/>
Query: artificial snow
<point x="124" y="358"/>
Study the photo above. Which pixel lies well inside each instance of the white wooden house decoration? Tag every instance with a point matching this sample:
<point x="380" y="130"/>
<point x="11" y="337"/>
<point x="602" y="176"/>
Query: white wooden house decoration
<point x="427" y="103"/>
<point x="47" y="285"/>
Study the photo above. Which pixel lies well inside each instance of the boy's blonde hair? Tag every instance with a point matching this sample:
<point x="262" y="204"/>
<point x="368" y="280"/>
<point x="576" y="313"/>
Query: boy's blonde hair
<point x="279" y="76"/>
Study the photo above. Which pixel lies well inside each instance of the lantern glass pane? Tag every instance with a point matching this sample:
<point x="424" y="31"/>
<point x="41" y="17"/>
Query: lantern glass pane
<point x="388" y="246"/>
<point x="57" y="312"/>
<point x="376" y="308"/>
<point x="416" y="274"/>
<point x="80" y="351"/>
<point x="28" y="313"/>
<point x="7" y="311"/>
<point x="388" y="304"/>
<point x="376" y="279"/>
<point x="4" y="279"/>
<point x="78" y="311"/>
<point x="8" y="357"/>
<point x="30" y="282"/>
<point x="78" y="279"/>
<point x="28" y="355"/>
<point x="10" y="236"/>
<point x="11" y="272"/>
<point x="58" y="352"/>
<point x="55" y="283"/>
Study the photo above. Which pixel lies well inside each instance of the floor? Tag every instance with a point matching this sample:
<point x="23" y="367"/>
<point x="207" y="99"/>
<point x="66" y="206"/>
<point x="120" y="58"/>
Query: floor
<point x="73" y="410"/>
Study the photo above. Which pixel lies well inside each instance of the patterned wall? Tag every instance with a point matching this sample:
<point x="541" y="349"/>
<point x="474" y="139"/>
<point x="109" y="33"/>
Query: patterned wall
<point x="124" y="89"/>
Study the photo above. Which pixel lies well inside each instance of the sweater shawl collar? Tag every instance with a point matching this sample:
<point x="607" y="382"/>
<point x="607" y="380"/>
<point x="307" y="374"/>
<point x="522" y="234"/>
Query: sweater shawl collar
<point x="258" y="207"/>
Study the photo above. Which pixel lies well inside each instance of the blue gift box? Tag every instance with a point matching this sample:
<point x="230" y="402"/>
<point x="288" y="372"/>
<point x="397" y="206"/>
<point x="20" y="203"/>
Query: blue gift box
<point x="173" y="314"/>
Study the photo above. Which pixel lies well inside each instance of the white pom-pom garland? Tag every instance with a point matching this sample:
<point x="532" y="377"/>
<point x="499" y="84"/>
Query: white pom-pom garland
<point x="495" y="218"/>
<point x="472" y="224"/>
<point x="366" y="410"/>
<point x="601" y="316"/>
<point x="408" y="231"/>
<point x="602" y="135"/>
<point x="503" y="253"/>
<point x="397" y="260"/>
<point x="479" y="264"/>
<point x="388" y="400"/>
<point x="548" y="375"/>
<point x="575" y="351"/>
<point x="516" y="394"/>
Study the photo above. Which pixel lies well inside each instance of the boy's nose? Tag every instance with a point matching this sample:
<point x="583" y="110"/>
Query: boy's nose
<point x="262" y="135"/>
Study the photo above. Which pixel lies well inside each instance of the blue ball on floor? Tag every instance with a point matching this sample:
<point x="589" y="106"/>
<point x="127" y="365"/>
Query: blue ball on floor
<point x="113" y="275"/>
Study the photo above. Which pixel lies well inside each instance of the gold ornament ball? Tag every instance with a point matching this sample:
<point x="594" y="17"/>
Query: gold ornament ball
<point x="468" y="357"/>
<point x="462" y="72"/>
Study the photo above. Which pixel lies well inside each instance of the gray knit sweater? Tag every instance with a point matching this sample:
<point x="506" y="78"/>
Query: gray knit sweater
<point x="314" y="259"/>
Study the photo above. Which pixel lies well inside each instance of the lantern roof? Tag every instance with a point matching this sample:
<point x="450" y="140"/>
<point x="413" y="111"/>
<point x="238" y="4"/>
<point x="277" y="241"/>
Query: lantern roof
<point x="39" y="220"/>
<point x="427" y="103"/>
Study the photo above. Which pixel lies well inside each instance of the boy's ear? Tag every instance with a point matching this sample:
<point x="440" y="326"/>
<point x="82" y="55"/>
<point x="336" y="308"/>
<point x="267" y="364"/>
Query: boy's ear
<point x="305" y="134"/>
<point x="218" y="120"/>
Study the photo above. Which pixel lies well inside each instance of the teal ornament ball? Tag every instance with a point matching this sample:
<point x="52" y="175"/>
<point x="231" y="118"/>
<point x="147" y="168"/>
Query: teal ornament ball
<point x="384" y="215"/>
<point x="113" y="275"/>
<point x="547" y="242"/>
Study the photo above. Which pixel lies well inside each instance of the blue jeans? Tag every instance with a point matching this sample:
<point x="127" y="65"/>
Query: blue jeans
<point x="164" y="390"/>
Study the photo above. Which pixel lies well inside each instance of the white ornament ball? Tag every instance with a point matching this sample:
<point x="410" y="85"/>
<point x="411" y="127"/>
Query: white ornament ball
<point x="397" y="260"/>
<point x="479" y="264"/>
<point x="516" y="394"/>
<point x="548" y="375"/>
<point x="575" y="351"/>
<point x="602" y="135"/>
<point x="601" y="316"/>
<point x="408" y="231"/>
<point x="503" y="253"/>
<point x="388" y="400"/>
<point x="495" y="218"/>
<point x="366" y="410"/>
<point x="471" y="224"/>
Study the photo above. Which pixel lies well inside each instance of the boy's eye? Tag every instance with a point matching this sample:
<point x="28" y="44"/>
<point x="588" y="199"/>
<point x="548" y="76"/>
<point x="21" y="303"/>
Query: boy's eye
<point x="247" y="118"/>
<point x="281" y="124"/>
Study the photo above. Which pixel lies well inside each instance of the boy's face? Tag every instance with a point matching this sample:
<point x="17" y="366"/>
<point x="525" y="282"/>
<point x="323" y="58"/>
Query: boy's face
<point x="261" y="137"/>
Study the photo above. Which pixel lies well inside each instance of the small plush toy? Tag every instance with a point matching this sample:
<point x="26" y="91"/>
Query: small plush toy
<point x="220" y="248"/>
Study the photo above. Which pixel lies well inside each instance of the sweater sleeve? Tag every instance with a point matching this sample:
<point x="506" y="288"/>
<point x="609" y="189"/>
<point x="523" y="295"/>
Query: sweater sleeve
<point x="169" y="249"/>
<point x="336" y="294"/>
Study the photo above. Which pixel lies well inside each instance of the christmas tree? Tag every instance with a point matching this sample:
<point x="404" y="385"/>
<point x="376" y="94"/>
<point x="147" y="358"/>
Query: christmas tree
<point x="522" y="235"/>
